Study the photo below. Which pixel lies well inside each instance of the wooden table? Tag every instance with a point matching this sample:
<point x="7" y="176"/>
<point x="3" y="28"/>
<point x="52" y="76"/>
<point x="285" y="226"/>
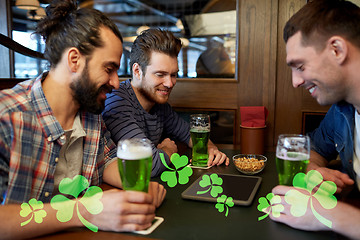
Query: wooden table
<point x="188" y="219"/>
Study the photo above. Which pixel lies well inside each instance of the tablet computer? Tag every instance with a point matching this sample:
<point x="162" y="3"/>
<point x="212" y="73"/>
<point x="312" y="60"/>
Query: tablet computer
<point x="240" y="187"/>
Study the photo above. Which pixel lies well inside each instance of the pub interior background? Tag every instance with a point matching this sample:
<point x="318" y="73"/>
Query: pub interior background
<point x="233" y="56"/>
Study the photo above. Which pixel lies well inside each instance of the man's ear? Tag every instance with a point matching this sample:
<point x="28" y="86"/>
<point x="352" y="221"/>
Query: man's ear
<point x="137" y="72"/>
<point x="338" y="48"/>
<point x="74" y="59"/>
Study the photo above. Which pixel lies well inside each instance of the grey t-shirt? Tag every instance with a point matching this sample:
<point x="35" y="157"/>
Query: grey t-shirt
<point x="69" y="163"/>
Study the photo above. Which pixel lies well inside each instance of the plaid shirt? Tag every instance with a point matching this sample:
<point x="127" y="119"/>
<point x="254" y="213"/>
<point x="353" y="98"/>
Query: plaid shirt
<point x="30" y="142"/>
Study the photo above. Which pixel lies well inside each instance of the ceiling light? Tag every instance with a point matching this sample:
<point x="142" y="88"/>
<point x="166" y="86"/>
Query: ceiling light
<point x="27" y="4"/>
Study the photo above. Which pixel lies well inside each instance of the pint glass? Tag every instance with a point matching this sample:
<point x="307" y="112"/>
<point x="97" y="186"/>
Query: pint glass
<point x="292" y="156"/>
<point x="200" y="133"/>
<point x="135" y="163"/>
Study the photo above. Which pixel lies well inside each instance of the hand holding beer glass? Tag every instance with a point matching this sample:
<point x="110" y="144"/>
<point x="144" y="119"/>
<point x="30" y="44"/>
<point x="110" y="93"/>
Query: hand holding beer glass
<point x="292" y="156"/>
<point x="200" y="134"/>
<point x="135" y="163"/>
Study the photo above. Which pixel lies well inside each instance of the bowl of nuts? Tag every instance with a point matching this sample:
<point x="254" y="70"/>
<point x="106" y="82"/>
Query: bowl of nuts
<point x="249" y="164"/>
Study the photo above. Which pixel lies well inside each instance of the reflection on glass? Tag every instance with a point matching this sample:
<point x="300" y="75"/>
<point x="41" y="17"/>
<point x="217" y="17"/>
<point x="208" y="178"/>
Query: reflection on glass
<point x="206" y="27"/>
<point x="28" y="67"/>
<point x="215" y="61"/>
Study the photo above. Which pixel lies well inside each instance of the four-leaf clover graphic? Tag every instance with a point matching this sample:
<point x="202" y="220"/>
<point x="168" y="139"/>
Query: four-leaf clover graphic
<point x="270" y="206"/>
<point x="324" y="195"/>
<point x="224" y="202"/>
<point x="35" y="208"/>
<point x="181" y="169"/>
<point x="65" y="206"/>
<point x="214" y="183"/>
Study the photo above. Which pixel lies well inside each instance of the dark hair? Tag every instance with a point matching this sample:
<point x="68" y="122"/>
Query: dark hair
<point x="67" y="26"/>
<point x="318" y="20"/>
<point x="150" y="40"/>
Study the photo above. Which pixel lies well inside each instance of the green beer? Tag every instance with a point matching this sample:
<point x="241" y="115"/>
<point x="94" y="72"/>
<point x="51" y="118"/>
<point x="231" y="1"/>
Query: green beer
<point x="288" y="166"/>
<point x="135" y="163"/>
<point x="200" y="138"/>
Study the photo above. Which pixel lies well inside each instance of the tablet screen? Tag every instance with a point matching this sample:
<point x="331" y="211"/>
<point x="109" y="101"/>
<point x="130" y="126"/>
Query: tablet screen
<point x="241" y="188"/>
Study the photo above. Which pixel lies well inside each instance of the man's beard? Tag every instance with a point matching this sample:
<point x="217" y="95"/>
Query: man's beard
<point x="147" y="95"/>
<point x="150" y="96"/>
<point x="86" y="94"/>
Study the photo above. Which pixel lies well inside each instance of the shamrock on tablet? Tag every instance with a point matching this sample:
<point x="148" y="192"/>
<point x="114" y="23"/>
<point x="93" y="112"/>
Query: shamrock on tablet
<point x="35" y="208"/>
<point x="181" y="169"/>
<point x="73" y="187"/>
<point x="324" y="194"/>
<point x="224" y="202"/>
<point x="270" y="205"/>
<point x="214" y="183"/>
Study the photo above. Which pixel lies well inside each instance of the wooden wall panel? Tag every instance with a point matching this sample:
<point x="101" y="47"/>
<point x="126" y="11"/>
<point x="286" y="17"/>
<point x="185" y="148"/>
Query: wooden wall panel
<point x="204" y="94"/>
<point x="288" y="99"/>
<point x="257" y="57"/>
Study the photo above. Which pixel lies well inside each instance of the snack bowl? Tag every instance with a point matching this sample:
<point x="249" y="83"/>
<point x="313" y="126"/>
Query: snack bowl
<point x="249" y="164"/>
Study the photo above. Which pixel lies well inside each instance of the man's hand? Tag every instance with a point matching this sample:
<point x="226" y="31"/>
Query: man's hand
<point x="342" y="180"/>
<point x="339" y="216"/>
<point x="319" y="163"/>
<point x="124" y="211"/>
<point x="168" y="146"/>
<point x="158" y="192"/>
<point x="306" y="222"/>
<point x="215" y="156"/>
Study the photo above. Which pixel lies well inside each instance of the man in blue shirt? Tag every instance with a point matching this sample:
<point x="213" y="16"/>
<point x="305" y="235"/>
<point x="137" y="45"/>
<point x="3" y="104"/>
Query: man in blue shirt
<point x="323" y="51"/>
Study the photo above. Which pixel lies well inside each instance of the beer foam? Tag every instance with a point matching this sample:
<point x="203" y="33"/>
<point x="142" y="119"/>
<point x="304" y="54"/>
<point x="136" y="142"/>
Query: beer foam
<point x="134" y="152"/>
<point x="200" y="129"/>
<point x="296" y="156"/>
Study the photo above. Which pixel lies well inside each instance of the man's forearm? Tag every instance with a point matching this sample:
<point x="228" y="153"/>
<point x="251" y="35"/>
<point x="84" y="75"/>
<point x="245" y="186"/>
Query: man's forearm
<point x="11" y="220"/>
<point x="112" y="176"/>
<point x="341" y="221"/>
<point x="316" y="161"/>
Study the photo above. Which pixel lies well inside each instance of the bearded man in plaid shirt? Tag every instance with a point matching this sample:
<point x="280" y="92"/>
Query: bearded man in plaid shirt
<point x="50" y="128"/>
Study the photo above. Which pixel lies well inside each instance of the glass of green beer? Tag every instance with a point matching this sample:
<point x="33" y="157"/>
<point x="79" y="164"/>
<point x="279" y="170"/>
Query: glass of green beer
<point x="135" y="163"/>
<point x="292" y="156"/>
<point x="200" y="133"/>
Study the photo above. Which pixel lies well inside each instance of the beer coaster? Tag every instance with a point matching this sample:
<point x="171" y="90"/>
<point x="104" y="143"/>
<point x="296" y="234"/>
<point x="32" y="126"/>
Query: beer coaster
<point x="207" y="167"/>
<point x="156" y="222"/>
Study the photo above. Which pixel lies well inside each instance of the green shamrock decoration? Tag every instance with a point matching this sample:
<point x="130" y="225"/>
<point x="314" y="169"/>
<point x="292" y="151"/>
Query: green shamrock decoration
<point x="35" y="208"/>
<point x="65" y="206"/>
<point x="214" y="182"/>
<point x="272" y="204"/>
<point x="181" y="168"/>
<point x="324" y="195"/>
<point x="224" y="202"/>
